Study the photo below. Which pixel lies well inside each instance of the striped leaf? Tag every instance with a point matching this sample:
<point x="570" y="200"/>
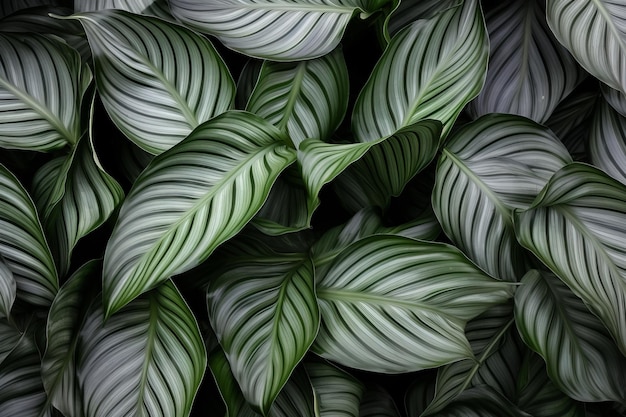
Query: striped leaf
<point x="236" y="405"/>
<point x="602" y="51"/>
<point x="265" y="316"/>
<point x="377" y="402"/>
<point x="393" y="304"/>
<point x="280" y="30"/>
<point x="8" y="7"/>
<point x="8" y="289"/>
<point x="65" y="319"/>
<point x="491" y="166"/>
<point x="615" y="98"/>
<point x="481" y="401"/>
<point x="338" y="393"/>
<point x="189" y="200"/>
<point x="577" y="227"/>
<point x="530" y="72"/>
<point x="23" y="245"/>
<point x="581" y="358"/>
<point x="429" y="70"/>
<point x="157" y="80"/>
<point x="248" y="78"/>
<point x="42" y="83"/>
<point x="151" y="355"/>
<point x="607" y="141"/>
<point x="158" y="8"/>
<point x="419" y="394"/>
<point x="306" y="99"/>
<point x="408" y="12"/>
<point x="10" y="338"/>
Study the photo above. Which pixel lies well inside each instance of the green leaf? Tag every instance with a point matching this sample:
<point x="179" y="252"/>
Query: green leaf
<point x="10" y="338"/>
<point x="158" y="8"/>
<point x="248" y="79"/>
<point x="339" y="394"/>
<point x="581" y="358"/>
<point x="481" y="401"/>
<point x="615" y="98"/>
<point x="23" y="245"/>
<point x="430" y="70"/>
<point x="230" y="392"/>
<point x="410" y="11"/>
<point x="157" y="80"/>
<point x="265" y="316"/>
<point x="377" y="402"/>
<point x="42" y="83"/>
<point x="306" y="99"/>
<point x="419" y="394"/>
<point x="8" y="289"/>
<point x="529" y="71"/>
<point x="393" y="304"/>
<point x="189" y="200"/>
<point x="8" y="7"/>
<point x="577" y="227"/>
<point x="280" y="30"/>
<point x="602" y="50"/>
<point x="607" y="141"/>
<point x="488" y="168"/>
<point x="148" y="360"/>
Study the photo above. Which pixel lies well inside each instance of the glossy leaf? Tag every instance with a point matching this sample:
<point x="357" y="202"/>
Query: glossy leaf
<point x="151" y="355"/>
<point x="607" y="141"/>
<point x="339" y="394"/>
<point x="236" y="405"/>
<point x="157" y="8"/>
<point x="221" y="175"/>
<point x="581" y="358"/>
<point x="408" y="12"/>
<point x="158" y="81"/>
<point x="488" y="168"/>
<point x="393" y="304"/>
<point x="429" y="70"/>
<point x="42" y="83"/>
<point x="8" y="289"/>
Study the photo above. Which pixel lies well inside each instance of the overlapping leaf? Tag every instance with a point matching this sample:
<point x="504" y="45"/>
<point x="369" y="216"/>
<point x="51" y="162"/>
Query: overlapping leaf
<point x="377" y="402"/>
<point x="8" y="7"/>
<point x="157" y="80"/>
<point x="607" y="141"/>
<point x="615" y="98"/>
<point x="9" y="339"/>
<point x="157" y="8"/>
<point x="191" y="199"/>
<point x="393" y="304"/>
<point x="8" y="289"/>
<point x="339" y="394"/>
<point x="409" y="11"/>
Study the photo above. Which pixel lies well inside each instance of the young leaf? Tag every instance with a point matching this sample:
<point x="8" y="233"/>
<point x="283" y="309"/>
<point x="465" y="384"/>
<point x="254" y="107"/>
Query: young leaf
<point x="189" y="200"/>
<point x="393" y="304"/>
<point x="607" y="141"/>
<point x="157" y="80"/>
<point x="8" y="289"/>
<point x="339" y="394"/>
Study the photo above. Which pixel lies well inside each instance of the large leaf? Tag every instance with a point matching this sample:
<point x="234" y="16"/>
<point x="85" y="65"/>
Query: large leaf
<point x="339" y="394"/>
<point x="280" y="30"/>
<point x="607" y="141"/>
<point x="23" y="245"/>
<point x="490" y="167"/>
<point x="148" y="360"/>
<point x="577" y="227"/>
<point x="602" y="51"/>
<point x="409" y="11"/>
<point x="42" y="83"/>
<point x="157" y="80"/>
<point x="393" y="304"/>
<point x="581" y="358"/>
<point x="236" y="405"/>
<point x="191" y="199"/>
<point x="8" y="289"/>
<point x="430" y="70"/>
<point x="265" y="316"/>
<point x="529" y="71"/>
<point x="157" y="8"/>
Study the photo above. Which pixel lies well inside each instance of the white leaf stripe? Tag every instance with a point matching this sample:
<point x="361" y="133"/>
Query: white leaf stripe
<point x="339" y="393"/>
<point x="281" y="30"/>
<point x="430" y="70"/>
<point x="296" y="398"/>
<point x="530" y="72"/>
<point x="157" y="80"/>
<point x="236" y="405"/>
<point x="615" y="98"/>
<point x="42" y="82"/>
<point x="8" y="290"/>
<point x="580" y="356"/>
<point x="265" y="316"/>
<point x="607" y="141"/>
<point x="577" y="227"/>
<point x="23" y="245"/>
<point x="151" y="355"/>
<point x="157" y="8"/>
<point x="190" y="200"/>
<point x="602" y="51"/>
<point x="407" y="12"/>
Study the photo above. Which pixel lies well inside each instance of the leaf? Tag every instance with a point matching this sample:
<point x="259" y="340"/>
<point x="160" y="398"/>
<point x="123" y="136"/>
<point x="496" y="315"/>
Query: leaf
<point x="306" y="99"/>
<point x="158" y="8"/>
<point x="377" y="402"/>
<point x="487" y="169"/>
<point x="408" y="12"/>
<point x="151" y="355"/>
<point x="339" y="394"/>
<point x="607" y="141"/>
<point x="581" y="358"/>
<point x="529" y="71"/>
<point x="615" y="98"/>
<point x="418" y="395"/>
<point x="23" y="245"/>
<point x="42" y="83"/>
<point x="393" y="304"/>
<point x="158" y="81"/>
<point x="221" y="174"/>
<point x="576" y="228"/>
<point x="230" y="392"/>
<point x="602" y="51"/>
<point x="248" y="79"/>
<point x="265" y="316"/>
<point x="276" y="30"/>
<point x="429" y="70"/>
<point x="481" y="401"/>
<point x="10" y="338"/>
<point x="8" y="290"/>
<point x="8" y="7"/>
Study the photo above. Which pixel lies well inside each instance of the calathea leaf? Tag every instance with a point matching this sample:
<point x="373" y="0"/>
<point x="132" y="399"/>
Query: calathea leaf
<point x="408" y="12"/>
<point x="581" y="358"/>
<point x="339" y="394"/>
<point x="8" y="7"/>
<point x="265" y="316"/>
<point x="151" y="355"/>
<point x="607" y="141"/>
<point x="157" y="8"/>
<point x="191" y="199"/>
<point x="42" y="83"/>
<point x="276" y="30"/>
<point x="481" y="401"/>
<point x="9" y="339"/>
<point x="419" y="394"/>
<point x="529" y="71"/>
<point x="488" y="168"/>
<point x="236" y="405"/>
<point x="576" y="226"/>
<point x="615" y="98"/>
<point x="247" y="81"/>
<point x="157" y="80"/>
<point x="377" y="402"/>
<point x="429" y="70"/>
<point x="429" y="289"/>
<point x="8" y="289"/>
